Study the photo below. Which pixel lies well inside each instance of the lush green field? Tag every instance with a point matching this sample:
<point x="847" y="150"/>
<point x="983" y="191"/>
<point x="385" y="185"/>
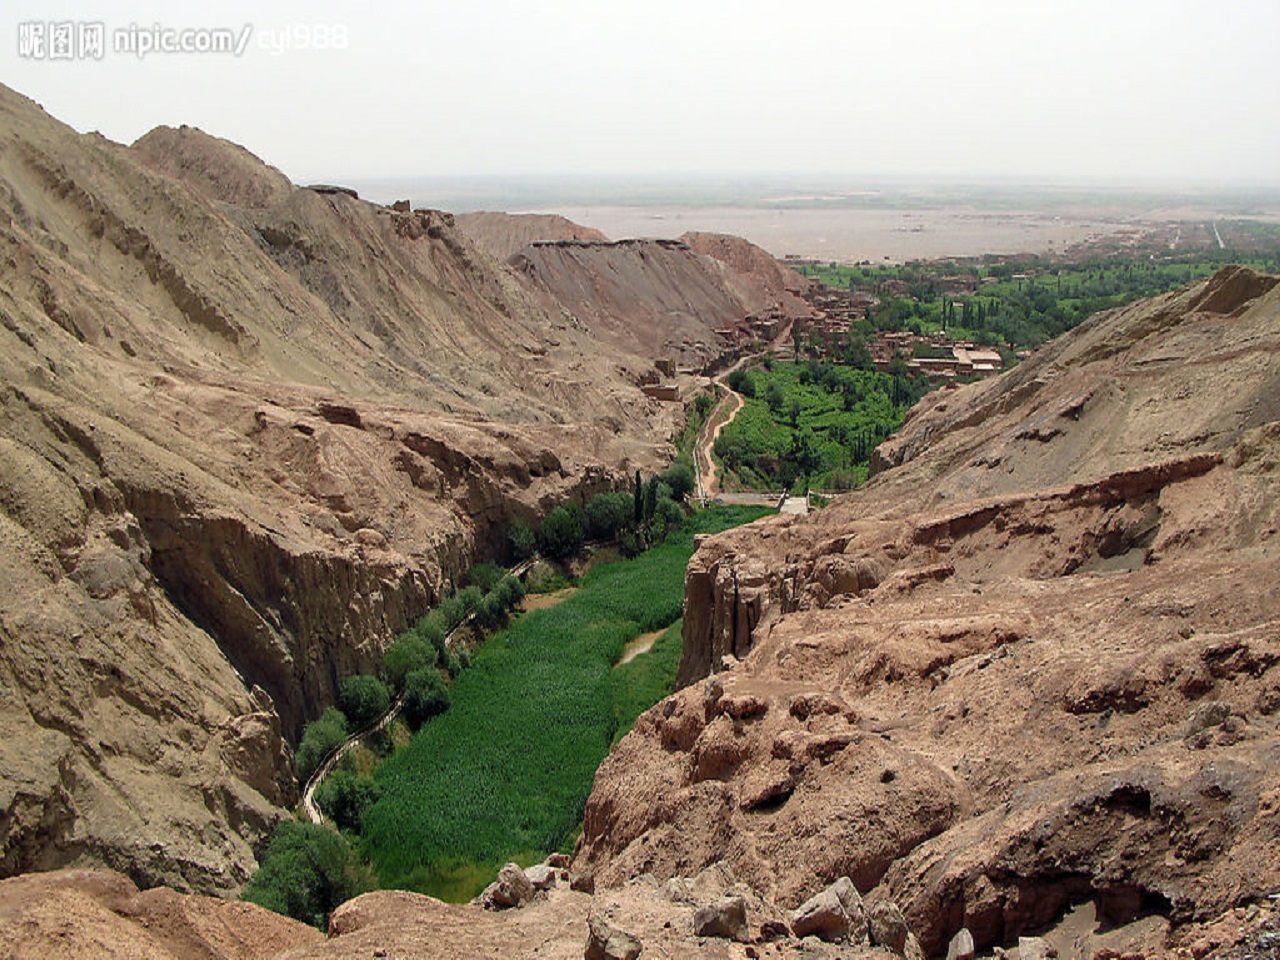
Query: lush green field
<point x="505" y="773"/>
<point x="812" y="424"/>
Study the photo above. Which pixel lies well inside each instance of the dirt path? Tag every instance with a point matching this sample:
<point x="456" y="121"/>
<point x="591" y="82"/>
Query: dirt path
<point x="704" y="463"/>
<point x="707" y="473"/>
<point x="641" y="644"/>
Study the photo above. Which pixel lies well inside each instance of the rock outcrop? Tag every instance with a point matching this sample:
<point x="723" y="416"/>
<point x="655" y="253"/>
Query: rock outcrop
<point x="1030" y="668"/>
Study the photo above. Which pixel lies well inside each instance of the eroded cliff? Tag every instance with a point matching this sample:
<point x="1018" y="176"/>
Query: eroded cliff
<point x="1030" y="666"/>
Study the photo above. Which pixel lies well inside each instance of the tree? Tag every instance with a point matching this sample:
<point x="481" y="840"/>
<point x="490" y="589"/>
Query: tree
<point x="639" y="501"/>
<point x="607" y="514"/>
<point x="410" y="651"/>
<point x="679" y="477"/>
<point x="319" y="739"/>
<point x="774" y="396"/>
<point x="561" y="533"/>
<point x="364" y="698"/>
<point x="667" y="515"/>
<point x="650" y="498"/>
<point x="523" y="542"/>
<point x="306" y="872"/>
<point x="741" y="382"/>
<point x="425" y="696"/>
<point x="483" y="576"/>
<point x="344" y="796"/>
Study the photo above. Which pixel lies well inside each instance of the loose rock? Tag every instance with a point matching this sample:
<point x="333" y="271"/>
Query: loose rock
<point x="961" y="946"/>
<point x="887" y="927"/>
<point x="606" y="942"/>
<point x="727" y="917"/>
<point x="834" y="914"/>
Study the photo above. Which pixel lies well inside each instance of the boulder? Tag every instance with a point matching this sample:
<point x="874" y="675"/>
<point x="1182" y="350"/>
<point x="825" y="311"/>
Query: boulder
<point x="542" y="877"/>
<point x="727" y="917"/>
<point x="1034" y="948"/>
<point x="887" y="927"/>
<point x="606" y="942"/>
<point x="834" y="914"/>
<point x="512" y="889"/>
<point x="961" y="946"/>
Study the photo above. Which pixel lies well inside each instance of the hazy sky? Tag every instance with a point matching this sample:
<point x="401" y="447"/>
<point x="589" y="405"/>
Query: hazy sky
<point x="1129" y="89"/>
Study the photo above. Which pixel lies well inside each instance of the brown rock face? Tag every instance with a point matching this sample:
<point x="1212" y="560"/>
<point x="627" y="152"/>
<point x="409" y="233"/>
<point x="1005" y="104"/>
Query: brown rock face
<point x="1030" y="667"/>
<point x="99" y="914"/>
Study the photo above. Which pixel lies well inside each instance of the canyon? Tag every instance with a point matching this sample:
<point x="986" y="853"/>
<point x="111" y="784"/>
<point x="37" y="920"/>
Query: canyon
<point x="251" y="431"/>
<point x="1025" y="675"/>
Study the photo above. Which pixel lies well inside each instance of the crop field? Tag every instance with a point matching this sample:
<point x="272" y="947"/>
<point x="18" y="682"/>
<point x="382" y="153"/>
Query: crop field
<point x="505" y="772"/>
<point x="810" y="424"/>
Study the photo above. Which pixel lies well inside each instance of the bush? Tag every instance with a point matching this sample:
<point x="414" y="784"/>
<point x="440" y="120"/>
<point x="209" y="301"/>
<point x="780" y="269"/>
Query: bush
<point x="344" y="795"/>
<point x="667" y="515"/>
<point x="433" y="629"/>
<point x="484" y="576"/>
<point x="607" y="514"/>
<point x="523" y="543"/>
<point x="425" y="696"/>
<point x="470" y="598"/>
<point x="364" y="698"/>
<point x="306" y="872"/>
<point x="319" y="739"/>
<point x="411" y="651"/>
<point x="679" y="477"/>
<point x="561" y="533"/>
<point x="740" y="381"/>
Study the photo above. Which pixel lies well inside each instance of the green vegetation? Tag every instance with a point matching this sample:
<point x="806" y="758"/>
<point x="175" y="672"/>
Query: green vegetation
<point x="319" y="739"/>
<point x="562" y="532"/>
<point x="425" y="696"/>
<point x="506" y="771"/>
<point x="306" y="871"/>
<point x="644" y="681"/>
<point x="815" y="425"/>
<point x="1022" y="301"/>
<point x="344" y="795"/>
<point x="363" y="699"/>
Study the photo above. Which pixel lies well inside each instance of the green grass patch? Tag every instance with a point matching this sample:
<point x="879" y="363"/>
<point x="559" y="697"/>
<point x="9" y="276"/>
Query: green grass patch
<point x="644" y="681"/>
<point x="508" y="768"/>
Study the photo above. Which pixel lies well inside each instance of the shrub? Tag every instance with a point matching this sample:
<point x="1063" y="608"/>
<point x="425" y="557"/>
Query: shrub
<point x="470" y="599"/>
<point x="607" y="514"/>
<point x="432" y="629"/>
<point x="483" y="576"/>
<point x="523" y="543"/>
<point x="667" y="515"/>
<point x="364" y="698"/>
<point x="411" y="651"/>
<point x="425" y="695"/>
<point x="344" y="795"/>
<point x="561" y="533"/>
<point x="306" y="872"/>
<point x="679" y="477"/>
<point x="319" y="739"/>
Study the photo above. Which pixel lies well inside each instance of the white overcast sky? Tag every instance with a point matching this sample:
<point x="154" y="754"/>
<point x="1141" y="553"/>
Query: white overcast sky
<point x="1125" y="89"/>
